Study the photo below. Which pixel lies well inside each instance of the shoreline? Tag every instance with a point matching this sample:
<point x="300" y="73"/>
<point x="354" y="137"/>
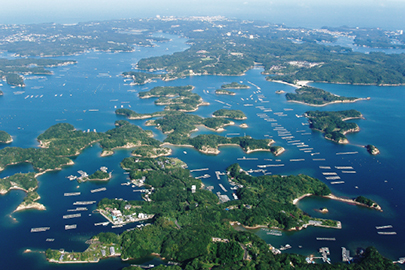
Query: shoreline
<point x="328" y="103"/>
<point x="333" y="197"/>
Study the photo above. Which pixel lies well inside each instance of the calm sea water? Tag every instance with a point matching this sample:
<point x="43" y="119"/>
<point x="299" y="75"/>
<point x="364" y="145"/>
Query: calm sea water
<point x="94" y="83"/>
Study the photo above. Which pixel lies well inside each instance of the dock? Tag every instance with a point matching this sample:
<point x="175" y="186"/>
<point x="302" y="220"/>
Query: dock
<point x="347" y="153"/>
<point x="199" y="170"/>
<point x="326" y="239"/>
<point x="325" y="252"/>
<point x="102" y="223"/>
<point x="84" y="202"/>
<point x="77" y="209"/>
<point x="346" y="255"/>
<point x="72" y="216"/>
<point x="98" y="190"/>
<point x="222" y="187"/>
<point x="383" y="227"/>
<point x="71" y="194"/>
<point x="70" y="227"/>
<point x="40" y="229"/>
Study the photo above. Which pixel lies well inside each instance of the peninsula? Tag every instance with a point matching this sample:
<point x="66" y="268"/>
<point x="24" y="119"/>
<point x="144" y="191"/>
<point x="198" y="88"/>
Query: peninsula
<point x="193" y="224"/>
<point x="5" y="137"/>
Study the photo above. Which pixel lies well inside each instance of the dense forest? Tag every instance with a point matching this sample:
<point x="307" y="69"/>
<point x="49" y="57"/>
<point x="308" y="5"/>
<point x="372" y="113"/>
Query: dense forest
<point x="316" y="96"/>
<point x="334" y="124"/>
<point x="191" y="228"/>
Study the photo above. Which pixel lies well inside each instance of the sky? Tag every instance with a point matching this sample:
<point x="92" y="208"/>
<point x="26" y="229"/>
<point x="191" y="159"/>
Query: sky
<point x="387" y="14"/>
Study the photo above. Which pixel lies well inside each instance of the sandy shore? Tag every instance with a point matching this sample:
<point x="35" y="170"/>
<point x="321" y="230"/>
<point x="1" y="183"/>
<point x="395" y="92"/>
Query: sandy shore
<point x="34" y="205"/>
<point x="333" y="197"/>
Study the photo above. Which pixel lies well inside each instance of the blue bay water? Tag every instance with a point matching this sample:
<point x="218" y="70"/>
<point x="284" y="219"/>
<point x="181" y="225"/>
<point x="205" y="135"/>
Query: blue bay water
<point x="87" y="94"/>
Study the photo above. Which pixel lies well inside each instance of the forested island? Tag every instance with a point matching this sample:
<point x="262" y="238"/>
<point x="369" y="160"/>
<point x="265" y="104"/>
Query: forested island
<point x="234" y="85"/>
<point x="224" y="92"/>
<point x="232" y="114"/>
<point x="317" y="97"/>
<point x="333" y="123"/>
<point x="189" y="226"/>
<point x="372" y="149"/>
<point x="5" y="137"/>
<point x="176" y="98"/>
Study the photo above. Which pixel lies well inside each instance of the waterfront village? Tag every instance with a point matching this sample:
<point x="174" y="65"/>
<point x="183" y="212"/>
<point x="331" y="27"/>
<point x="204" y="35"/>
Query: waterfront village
<point x="129" y="215"/>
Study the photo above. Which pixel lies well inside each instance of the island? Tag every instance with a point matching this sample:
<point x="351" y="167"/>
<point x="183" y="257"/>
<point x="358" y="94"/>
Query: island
<point x="224" y="92"/>
<point x="317" y="97"/>
<point x="233" y="114"/>
<point x="235" y="85"/>
<point x="5" y="137"/>
<point x="333" y="124"/>
<point x="100" y="175"/>
<point x="177" y="98"/>
<point x="190" y="227"/>
<point x="372" y="149"/>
